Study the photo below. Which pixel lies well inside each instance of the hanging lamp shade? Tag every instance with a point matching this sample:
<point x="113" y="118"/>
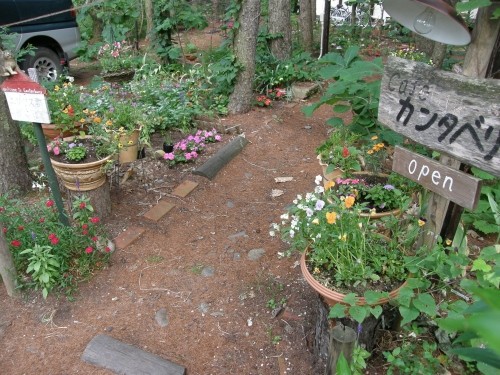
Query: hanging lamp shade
<point x="433" y="19"/>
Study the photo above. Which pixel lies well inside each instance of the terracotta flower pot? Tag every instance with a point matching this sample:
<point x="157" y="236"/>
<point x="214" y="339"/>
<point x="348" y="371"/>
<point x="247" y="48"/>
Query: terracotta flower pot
<point x="50" y="131"/>
<point x="332" y="297"/>
<point x="81" y="176"/>
<point x="128" y="153"/>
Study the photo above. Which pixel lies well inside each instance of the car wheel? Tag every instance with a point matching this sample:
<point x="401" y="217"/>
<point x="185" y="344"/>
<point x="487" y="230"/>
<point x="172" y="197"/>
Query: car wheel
<point x="46" y="62"/>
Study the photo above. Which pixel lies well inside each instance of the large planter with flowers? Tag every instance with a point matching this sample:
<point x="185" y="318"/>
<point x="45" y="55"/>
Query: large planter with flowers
<point x="81" y="176"/>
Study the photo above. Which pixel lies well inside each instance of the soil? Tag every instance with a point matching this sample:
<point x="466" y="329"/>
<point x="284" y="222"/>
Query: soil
<point x="191" y="289"/>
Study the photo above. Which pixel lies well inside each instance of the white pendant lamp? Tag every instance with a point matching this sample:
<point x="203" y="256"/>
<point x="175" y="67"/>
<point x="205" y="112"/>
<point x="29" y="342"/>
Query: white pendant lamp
<point x="433" y="19"/>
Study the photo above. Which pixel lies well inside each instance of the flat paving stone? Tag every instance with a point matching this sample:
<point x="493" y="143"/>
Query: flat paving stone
<point x="158" y="211"/>
<point x="130" y="235"/>
<point x="184" y="188"/>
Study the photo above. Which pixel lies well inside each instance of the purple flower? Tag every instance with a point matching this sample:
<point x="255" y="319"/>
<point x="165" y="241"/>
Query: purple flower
<point x="319" y="205"/>
<point x="388" y="187"/>
<point x="71" y="145"/>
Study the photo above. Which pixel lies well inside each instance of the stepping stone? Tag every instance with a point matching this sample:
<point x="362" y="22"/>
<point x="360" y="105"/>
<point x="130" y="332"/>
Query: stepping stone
<point x="185" y="188"/>
<point x="121" y="358"/>
<point x="158" y="211"/>
<point x="130" y="235"/>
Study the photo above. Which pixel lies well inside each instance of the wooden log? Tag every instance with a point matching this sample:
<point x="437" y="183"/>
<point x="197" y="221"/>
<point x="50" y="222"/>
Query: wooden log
<point x="7" y="269"/>
<point x="125" y="359"/>
<point x="100" y="199"/>
<point x="213" y="165"/>
<point x="342" y="340"/>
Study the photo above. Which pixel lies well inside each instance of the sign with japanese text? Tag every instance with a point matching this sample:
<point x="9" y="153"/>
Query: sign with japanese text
<point x="444" y="111"/>
<point x="456" y="186"/>
<point x="26" y="99"/>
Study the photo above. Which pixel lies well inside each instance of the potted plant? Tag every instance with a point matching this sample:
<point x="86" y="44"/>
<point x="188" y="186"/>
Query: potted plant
<point x="68" y="112"/>
<point x="80" y="161"/>
<point x="168" y="145"/>
<point x="337" y="155"/>
<point x="118" y="60"/>
<point x="347" y="257"/>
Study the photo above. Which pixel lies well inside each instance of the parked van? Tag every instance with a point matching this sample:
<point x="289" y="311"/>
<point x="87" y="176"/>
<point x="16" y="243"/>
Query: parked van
<point x="49" y="25"/>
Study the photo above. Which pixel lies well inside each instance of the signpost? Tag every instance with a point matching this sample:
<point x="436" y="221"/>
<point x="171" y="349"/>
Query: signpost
<point x="27" y="102"/>
<point x="451" y="113"/>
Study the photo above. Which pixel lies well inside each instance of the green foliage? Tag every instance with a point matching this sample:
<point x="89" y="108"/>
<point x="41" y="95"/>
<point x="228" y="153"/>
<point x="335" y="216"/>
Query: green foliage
<point x="355" y="85"/>
<point x="43" y="267"/>
<point x="486" y="217"/>
<point x="76" y="153"/>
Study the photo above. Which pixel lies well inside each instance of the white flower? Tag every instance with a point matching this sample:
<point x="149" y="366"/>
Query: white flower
<point x="309" y="212"/>
<point x="284" y="216"/>
<point x="319" y="189"/>
<point x="318" y="179"/>
<point x="412" y="334"/>
<point x="272" y="233"/>
<point x="319" y="205"/>
<point x="292" y="233"/>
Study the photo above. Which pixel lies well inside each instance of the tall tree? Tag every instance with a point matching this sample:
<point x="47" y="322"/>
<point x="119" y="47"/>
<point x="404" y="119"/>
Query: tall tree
<point x="280" y="22"/>
<point x="7" y="269"/>
<point x="13" y="162"/>
<point x="148" y="10"/>
<point x="306" y="25"/>
<point x="245" y="44"/>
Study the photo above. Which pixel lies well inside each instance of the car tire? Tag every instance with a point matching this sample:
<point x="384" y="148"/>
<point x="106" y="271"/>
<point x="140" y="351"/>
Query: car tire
<point x="46" y="62"/>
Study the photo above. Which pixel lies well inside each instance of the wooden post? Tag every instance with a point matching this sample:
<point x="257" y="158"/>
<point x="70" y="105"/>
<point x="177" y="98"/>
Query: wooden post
<point x="342" y="340"/>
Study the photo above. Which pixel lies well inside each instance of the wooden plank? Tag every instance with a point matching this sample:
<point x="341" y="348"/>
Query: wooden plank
<point x="125" y="359"/>
<point x="449" y="183"/>
<point x="221" y="158"/>
<point x="444" y="111"/>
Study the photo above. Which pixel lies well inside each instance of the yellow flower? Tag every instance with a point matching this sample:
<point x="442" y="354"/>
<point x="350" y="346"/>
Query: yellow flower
<point x="132" y="142"/>
<point x="92" y="112"/>
<point x="448" y="242"/>
<point x="331" y="217"/>
<point x="65" y="84"/>
<point x="109" y="123"/>
<point x="329" y="185"/>
<point x="97" y="120"/>
<point x="57" y="88"/>
<point x="374" y="137"/>
<point x="349" y="201"/>
<point x="316" y="270"/>
<point x="343" y="237"/>
<point x="65" y="110"/>
<point x="120" y="145"/>
<point x="369" y="152"/>
<point x="421" y="223"/>
<point x="86" y="111"/>
<point x="82" y="121"/>
<point x="315" y="221"/>
<point x="121" y="129"/>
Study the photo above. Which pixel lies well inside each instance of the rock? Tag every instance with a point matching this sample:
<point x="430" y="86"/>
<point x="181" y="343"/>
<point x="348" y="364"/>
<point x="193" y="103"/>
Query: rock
<point x="203" y="308"/>
<point x="235" y="236"/>
<point x="229" y="204"/>
<point x="256" y="254"/>
<point x="303" y="90"/>
<point x="161" y="317"/>
<point x="207" y="271"/>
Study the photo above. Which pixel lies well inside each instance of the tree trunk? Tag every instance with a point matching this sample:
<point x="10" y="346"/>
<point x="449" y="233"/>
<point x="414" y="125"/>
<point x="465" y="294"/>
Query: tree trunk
<point x="438" y="54"/>
<point x="423" y="44"/>
<point x="148" y="6"/>
<point x="484" y="37"/>
<point x="7" y="269"/>
<point x="240" y="101"/>
<point x="279" y="22"/>
<point x="306" y="26"/>
<point x="13" y="162"/>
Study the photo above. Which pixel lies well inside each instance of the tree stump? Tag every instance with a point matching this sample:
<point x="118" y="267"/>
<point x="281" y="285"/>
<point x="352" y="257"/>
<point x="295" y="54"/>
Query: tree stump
<point x="100" y="199"/>
<point x="368" y="331"/>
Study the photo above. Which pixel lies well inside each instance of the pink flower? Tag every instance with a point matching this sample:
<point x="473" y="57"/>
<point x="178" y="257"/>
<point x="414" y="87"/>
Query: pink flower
<point x="107" y="249"/>
<point x="49" y="203"/>
<point x="94" y="219"/>
<point x="187" y="155"/>
<point x="89" y="250"/>
<point x="218" y="138"/>
<point x="115" y="53"/>
<point x="56" y="150"/>
<point x="94" y="239"/>
<point x="169" y="156"/>
<point x="194" y="154"/>
<point x="16" y="243"/>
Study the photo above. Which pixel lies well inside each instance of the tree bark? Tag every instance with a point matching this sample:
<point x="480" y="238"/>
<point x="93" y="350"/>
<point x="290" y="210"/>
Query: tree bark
<point x="240" y="101"/>
<point x="13" y="162"/>
<point x="484" y="37"/>
<point x="280" y="22"/>
<point x="306" y="26"/>
<point x="438" y="54"/>
<point x="7" y="269"/>
<point x="148" y="6"/>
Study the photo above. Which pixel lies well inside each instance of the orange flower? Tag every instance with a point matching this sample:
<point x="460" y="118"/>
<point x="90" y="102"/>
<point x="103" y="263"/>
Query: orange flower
<point x="329" y="185"/>
<point x="349" y="201"/>
<point x="331" y="217"/>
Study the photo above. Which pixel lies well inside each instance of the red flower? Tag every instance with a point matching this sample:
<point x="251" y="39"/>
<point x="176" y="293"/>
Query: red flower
<point x="89" y="250"/>
<point x="20" y="227"/>
<point x="4" y="230"/>
<point x="94" y="219"/>
<point x="49" y="203"/>
<point x="94" y="238"/>
<point x="82" y="205"/>
<point x="85" y="232"/>
<point x="16" y="243"/>
<point x="41" y="220"/>
<point x="85" y="226"/>
<point x="107" y="249"/>
<point x="345" y="152"/>
<point x="2" y="209"/>
<point x="53" y="239"/>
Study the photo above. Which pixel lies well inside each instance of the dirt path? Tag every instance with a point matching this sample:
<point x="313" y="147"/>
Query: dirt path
<point x="208" y="270"/>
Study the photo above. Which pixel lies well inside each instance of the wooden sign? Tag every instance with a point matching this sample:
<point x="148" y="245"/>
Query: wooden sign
<point x="26" y="99"/>
<point x="444" y="111"/>
<point x="456" y="186"/>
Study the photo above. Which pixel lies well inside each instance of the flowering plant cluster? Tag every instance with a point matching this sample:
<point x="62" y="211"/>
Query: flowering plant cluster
<point x="47" y="254"/>
<point x="117" y="57"/>
<point x="67" y="109"/>
<point x="189" y="148"/>
<point x="345" y="248"/>
<point x="374" y="154"/>
<point x="266" y="100"/>
<point x="337" y="155"/>
<point x="81" y="147"/>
